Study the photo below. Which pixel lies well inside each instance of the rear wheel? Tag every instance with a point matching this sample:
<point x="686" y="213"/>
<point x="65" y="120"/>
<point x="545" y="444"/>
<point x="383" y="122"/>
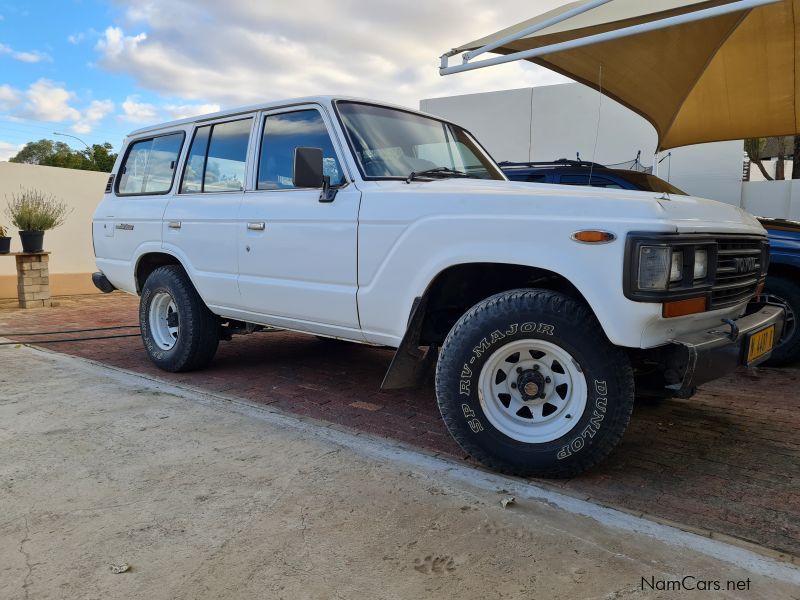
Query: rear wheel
<point x="178" y="330"/>
<point x="528" y="384"/>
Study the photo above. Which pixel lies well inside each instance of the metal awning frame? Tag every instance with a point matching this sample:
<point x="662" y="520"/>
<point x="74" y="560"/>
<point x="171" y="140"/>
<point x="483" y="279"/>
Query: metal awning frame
<point x="698" y="15"/>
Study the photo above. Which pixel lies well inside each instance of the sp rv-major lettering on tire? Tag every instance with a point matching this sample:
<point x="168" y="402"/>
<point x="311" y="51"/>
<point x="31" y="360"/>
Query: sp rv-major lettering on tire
<point x="514" y="328"/>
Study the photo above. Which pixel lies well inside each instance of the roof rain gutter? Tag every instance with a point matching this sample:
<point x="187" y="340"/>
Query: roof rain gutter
<point x="698" y="15"/>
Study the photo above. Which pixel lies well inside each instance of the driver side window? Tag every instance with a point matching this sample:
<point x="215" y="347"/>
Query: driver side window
<point x="285" y="132"/>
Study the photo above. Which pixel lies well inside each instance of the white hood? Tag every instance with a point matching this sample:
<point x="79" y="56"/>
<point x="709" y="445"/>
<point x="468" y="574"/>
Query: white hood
<point x="683" y="213"/>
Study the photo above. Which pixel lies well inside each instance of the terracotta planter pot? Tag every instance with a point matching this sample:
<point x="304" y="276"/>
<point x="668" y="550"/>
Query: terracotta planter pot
<point x="5" y="245"/>
<point x="32" y="241"/>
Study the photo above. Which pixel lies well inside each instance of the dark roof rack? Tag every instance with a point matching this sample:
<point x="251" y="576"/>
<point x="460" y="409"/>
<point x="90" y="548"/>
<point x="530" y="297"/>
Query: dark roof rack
<point x="561" y="162"/>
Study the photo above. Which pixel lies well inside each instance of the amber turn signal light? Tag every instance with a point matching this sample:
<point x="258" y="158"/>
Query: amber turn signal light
<point x="593" y="236"/>
<point x="681" y="308"/>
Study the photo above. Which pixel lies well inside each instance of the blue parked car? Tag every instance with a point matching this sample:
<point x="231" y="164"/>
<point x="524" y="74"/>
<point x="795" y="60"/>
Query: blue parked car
<point x="783" y="281"/>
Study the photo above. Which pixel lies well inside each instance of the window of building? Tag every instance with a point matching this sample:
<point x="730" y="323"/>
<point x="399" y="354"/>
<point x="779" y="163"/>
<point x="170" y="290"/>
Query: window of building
<point x="149" y="165"/>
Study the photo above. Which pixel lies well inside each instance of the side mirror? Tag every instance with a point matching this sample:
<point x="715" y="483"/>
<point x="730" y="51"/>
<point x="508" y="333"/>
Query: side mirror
<point x="308" y="172"/>
<point x="308" y="168"/>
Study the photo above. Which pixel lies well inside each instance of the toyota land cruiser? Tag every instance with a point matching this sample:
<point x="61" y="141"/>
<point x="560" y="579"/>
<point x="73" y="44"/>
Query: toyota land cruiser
<point x="545" y="308"/>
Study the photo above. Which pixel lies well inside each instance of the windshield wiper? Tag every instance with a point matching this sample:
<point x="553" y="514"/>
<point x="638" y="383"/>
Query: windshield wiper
<point x="436" y="172"/>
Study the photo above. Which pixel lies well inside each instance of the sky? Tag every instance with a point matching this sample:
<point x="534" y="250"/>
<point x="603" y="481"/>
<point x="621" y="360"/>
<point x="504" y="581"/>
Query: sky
<point x="99" y="69"/>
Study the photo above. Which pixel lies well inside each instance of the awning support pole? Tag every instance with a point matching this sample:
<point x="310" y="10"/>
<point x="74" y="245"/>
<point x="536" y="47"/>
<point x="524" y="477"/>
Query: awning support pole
<point x="468" y="56"/>
<point x="698" y="15"/>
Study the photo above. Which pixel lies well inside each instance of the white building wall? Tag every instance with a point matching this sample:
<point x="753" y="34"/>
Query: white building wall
<point x="559" y="121"/>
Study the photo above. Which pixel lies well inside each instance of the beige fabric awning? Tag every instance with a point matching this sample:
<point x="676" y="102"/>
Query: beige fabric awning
<point x="728" y="77"/>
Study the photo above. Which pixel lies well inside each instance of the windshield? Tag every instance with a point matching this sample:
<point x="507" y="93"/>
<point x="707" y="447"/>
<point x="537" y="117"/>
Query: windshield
<point x="391" y="143"/>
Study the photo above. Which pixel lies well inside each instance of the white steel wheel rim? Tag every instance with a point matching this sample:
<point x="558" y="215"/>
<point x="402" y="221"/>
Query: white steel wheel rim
<point x="163" y="321"/>
<point x="512" y="375"/>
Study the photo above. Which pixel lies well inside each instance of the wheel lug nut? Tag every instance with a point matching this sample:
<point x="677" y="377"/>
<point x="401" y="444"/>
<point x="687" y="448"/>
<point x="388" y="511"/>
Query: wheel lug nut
<point x="542" y="395"/>
<point x="513" y="386"/>
<point x="535" y="367"/>
<point x="519" y="369"/>
<point x="567" y="416"/>
<point x="547" y="380"/>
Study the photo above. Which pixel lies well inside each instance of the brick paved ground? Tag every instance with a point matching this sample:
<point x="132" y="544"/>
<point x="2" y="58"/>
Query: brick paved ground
<point x="727" y="460"/>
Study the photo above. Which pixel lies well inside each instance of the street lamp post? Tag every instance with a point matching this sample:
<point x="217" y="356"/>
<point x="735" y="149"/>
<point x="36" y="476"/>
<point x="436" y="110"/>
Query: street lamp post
<point x="75" y="137"/>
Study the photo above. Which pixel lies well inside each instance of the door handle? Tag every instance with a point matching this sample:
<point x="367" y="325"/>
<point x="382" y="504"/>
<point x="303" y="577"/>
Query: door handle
<point x="257" y="226"/>
<point x="174" y="224"/>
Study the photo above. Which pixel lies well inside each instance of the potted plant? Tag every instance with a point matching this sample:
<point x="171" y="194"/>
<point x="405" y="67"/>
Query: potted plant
<point x="33" y="212"/>
<point x="5" y="241"/>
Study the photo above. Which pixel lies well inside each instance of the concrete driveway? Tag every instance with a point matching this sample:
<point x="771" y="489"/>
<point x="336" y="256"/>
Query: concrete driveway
<point x="210" y="498"/>
<point x="725" y="462"/>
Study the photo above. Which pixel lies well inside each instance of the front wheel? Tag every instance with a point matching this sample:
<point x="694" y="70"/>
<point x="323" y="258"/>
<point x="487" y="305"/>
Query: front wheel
<point x="528" y="384"/>
<point x="178" y="330"/>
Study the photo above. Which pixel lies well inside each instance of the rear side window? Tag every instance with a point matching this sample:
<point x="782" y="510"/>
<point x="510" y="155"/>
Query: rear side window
<point x="149" y="165"/>
<point x="537" y="178"/>
<point x="217" y="157"/>
<point x="285" y="132"/>
<point x="596" y="181"/>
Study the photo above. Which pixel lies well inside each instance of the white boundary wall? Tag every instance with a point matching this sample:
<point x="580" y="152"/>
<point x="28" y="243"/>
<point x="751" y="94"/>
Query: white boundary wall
<point x="72" y="258"/>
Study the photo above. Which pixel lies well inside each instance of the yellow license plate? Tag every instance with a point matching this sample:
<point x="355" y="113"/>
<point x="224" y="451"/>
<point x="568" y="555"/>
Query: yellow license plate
<point x="761" y="343"/>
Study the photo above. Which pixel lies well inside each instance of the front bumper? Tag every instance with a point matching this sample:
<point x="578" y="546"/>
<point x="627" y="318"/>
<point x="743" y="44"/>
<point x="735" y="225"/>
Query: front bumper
<point x="711" y="354"/>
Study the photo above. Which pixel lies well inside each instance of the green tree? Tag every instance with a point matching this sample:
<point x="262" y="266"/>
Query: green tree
<point x="58" y="154"/>
<point x="103" y="157"/>
<point x="35" y="153"/>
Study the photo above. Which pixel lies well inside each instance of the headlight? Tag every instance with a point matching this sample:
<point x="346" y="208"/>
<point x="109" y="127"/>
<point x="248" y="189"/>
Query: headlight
<point x="676" y="267"/>
<point x="700" y="264"/>
<point x="654" y="267"/>
<point x="668" y="267"/>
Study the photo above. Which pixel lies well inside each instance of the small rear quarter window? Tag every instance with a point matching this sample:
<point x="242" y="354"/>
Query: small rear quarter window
<point x="149" y="165"/>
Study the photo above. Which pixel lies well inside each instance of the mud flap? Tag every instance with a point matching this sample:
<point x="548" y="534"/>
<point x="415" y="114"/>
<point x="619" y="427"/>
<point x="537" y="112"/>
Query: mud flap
<point x="411" y="363"/>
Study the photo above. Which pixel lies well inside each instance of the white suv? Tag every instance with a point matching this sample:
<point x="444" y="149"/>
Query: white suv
<point x="546" y="306"/>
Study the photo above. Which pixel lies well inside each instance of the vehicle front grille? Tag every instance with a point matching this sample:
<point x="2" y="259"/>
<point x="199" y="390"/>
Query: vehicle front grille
<point x="739" y="268"/>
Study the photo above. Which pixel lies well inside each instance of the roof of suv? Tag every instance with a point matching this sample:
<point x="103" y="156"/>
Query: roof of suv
<point x="324" y="99"/>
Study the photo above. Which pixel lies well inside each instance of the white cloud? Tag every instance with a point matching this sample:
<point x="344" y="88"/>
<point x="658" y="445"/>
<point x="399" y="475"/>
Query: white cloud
<point x="9" y="97"/>
<point x="138" y="112"/>
<point x="31" y="56"/>
<point x="76" y="38"/>
<point x="114" y="43"/>
<point x="50" y="102"/>
<point x="45" y="100"/>
<point x="7" y="150"/>
<point x="239" y="51"/>
<point x="182" y="111"/>
<point x="94" y="113"/>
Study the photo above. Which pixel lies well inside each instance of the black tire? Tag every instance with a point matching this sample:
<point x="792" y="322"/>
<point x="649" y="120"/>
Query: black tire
<point x="198" y="328"/>
<point x="787" y="292"/>
<point x="554" y="318"/>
